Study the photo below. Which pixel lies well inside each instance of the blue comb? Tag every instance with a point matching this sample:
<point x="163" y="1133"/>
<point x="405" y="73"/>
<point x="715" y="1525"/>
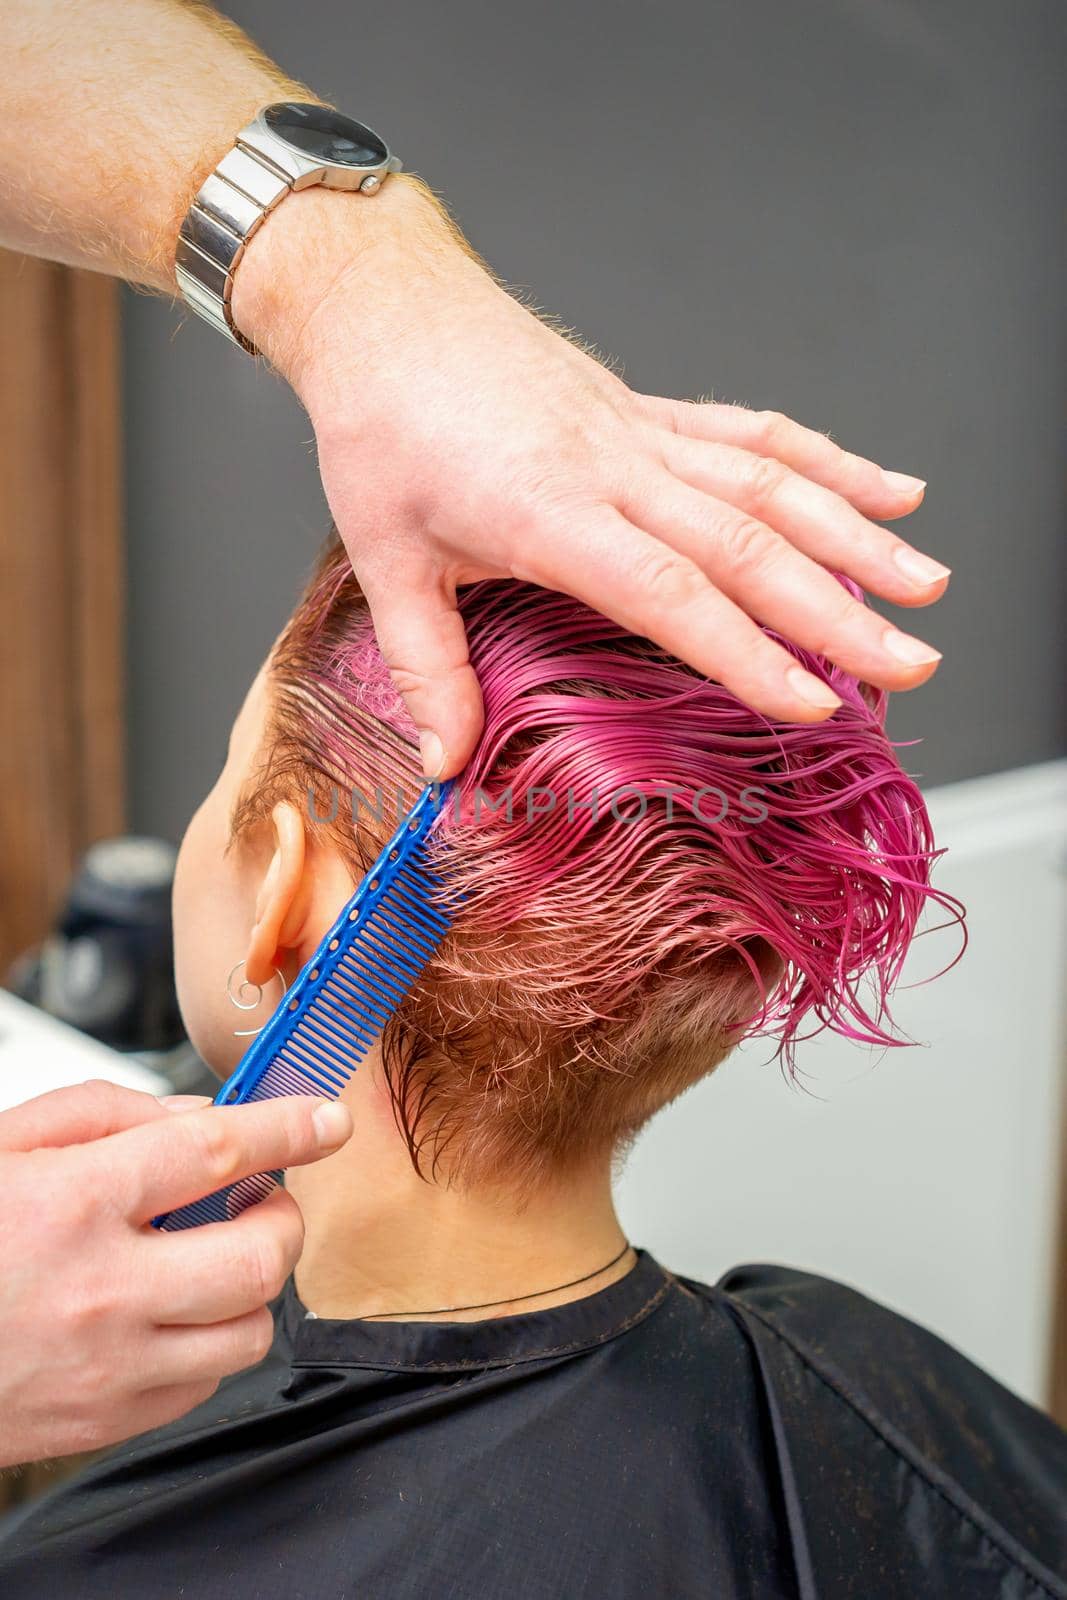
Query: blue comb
<point x="343" y="997"/>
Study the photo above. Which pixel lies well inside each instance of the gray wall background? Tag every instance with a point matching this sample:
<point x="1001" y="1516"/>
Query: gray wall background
<point x="849" y="210"/>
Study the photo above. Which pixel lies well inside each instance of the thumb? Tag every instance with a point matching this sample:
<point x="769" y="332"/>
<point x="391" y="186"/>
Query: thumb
<point x="424" y="643"/>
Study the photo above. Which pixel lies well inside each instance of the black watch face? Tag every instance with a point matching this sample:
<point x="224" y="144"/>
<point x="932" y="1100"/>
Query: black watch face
<point x="325" y="135"/>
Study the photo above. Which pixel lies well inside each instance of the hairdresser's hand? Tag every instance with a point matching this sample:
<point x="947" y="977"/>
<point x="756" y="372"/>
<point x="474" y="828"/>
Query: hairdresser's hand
<point x="107" y="1326"/>
<point x="460" y="437"/>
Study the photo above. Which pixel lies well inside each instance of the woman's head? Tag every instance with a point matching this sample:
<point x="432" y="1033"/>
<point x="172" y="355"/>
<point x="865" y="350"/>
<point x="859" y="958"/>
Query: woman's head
<point x="643" y="871"/>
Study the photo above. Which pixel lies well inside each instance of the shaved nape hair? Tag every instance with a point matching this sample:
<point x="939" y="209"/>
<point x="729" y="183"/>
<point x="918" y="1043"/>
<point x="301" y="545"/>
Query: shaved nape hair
<point x="645" y="871"/>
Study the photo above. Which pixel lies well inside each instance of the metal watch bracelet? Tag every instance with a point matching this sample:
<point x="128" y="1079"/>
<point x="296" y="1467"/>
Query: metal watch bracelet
<point x="249" y="182"/>
<point x="230" y="205"/>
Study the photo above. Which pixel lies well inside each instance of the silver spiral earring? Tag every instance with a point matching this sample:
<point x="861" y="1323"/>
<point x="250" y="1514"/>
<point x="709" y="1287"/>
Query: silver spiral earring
<point x="248" y="1005"/>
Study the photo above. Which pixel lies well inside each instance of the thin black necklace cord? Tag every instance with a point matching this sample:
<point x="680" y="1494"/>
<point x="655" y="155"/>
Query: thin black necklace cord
<point x="515" y="1299"/>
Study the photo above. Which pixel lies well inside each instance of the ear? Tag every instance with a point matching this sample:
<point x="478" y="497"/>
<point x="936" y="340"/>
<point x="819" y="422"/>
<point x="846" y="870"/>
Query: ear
<point x="281" y="903"/>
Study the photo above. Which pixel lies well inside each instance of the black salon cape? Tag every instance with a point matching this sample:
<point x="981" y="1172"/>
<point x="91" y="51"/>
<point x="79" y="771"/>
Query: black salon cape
<point x="777" y="1435"/>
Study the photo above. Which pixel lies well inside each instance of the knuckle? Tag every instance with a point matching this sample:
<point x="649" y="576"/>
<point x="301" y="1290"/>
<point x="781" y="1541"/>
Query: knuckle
<point x="669" y="580"/>
<point x="854" y="470"/>
<point x="293" y="1132"/>
<point x="673" y="417"/>
<point x="254" y="1338"/>
<point x="747" y="545"/>
<point x="761" y="479"/>
<point x="529" y="509"/>
<point x="838" y="617"/>
<point x="102" y="1100"/>
<point x="842" y="611"/>
<point x="215" y="1149"/>
<point x="91" y="1432"/>
<point x="262" y="1336"/>
<point x="72" y="1207"/>
<point x="533" y="563"/>
<point x="89" y="1309"/>
<point x="96" y="1383"/>
<point x="267" y="1268"/>
<point x="100" y="1092"/>
<point x="410" y="681"/>
<point x="291" y="1232"/>
<point x="774" y="430"/>
<point x="407" y="681"/>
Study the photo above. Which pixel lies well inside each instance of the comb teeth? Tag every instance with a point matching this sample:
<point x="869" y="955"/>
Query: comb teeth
<point x="223" y="1204"/>
<point x="342" y="999"/>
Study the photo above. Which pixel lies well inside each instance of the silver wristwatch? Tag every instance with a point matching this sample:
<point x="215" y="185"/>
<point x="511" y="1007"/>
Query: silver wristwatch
<point x="288" y="146"/>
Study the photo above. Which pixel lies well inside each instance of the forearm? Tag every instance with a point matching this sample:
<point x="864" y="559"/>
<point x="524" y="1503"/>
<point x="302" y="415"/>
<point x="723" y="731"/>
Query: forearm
<point x="117" y="111"/>
<point x="114" y="114"/>
<point x="458" y="436"/>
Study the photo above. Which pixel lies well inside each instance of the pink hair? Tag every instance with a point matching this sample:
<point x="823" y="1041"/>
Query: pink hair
<point x="607" y="944"/>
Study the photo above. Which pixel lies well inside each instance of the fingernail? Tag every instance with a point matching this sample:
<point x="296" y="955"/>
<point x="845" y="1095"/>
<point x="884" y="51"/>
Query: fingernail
<point x="919" y="568"/>
<point x="184" y="1102"/>
<point x="913" y="652"/>
<point x="902" y="483"/>
<point x="812" y="689"/>
<point x="433" y="753"/>
<point x="332" y="1122"/>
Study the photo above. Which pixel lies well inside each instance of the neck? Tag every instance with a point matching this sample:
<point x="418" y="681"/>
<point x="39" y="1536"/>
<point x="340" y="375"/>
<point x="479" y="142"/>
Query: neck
<point x="380" y="1239"/>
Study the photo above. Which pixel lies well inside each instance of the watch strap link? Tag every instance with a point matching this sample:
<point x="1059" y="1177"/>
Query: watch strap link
<point x="229" y="206"/>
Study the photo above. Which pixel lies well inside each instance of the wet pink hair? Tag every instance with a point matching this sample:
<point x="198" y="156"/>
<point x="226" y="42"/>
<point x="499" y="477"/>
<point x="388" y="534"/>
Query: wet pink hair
<point x="750" y="878"/>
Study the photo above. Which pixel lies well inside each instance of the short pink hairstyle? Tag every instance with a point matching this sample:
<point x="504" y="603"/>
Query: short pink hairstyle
<point x="734" y="876"/>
